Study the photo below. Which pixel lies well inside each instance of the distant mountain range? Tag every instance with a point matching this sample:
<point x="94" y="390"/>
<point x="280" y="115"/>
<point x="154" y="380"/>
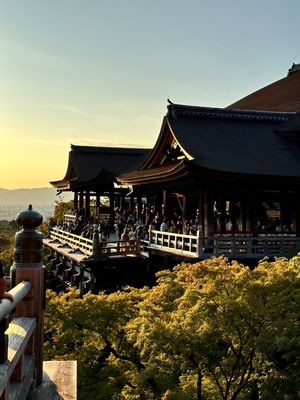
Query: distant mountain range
<point x="31" y="196"/>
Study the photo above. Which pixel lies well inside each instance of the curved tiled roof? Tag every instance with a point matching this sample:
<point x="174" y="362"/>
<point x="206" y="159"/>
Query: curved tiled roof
<point x="235" y="141"/>
<point x="224" y="141"/>
<point x="90" y="165"/>
<point x="282" y="95"/>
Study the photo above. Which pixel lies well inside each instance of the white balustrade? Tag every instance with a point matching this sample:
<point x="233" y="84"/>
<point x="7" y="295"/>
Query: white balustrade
<point x="230" y="245"/>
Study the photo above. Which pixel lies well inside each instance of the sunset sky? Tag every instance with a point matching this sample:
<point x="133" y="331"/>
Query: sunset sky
<point x="98" y="72"/>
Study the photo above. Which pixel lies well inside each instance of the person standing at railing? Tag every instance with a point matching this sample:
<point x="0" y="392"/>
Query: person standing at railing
<point x="172" y="227"/>
<point x="164" y="226"/>
<point x="125" y="235"/>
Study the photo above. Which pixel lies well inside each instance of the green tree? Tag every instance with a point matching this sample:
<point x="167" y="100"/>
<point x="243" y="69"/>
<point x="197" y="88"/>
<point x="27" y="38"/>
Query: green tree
<point x="210" y="330"/>
<point x="61" y="208"/>
<point x="7" y="241"/>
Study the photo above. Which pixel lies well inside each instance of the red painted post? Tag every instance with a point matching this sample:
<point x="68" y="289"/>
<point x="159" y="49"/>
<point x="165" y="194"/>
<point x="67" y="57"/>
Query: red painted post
<point x="28" y="266"/>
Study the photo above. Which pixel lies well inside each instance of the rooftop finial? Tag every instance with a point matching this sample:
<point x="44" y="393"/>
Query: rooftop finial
<point x="294" y="68"/>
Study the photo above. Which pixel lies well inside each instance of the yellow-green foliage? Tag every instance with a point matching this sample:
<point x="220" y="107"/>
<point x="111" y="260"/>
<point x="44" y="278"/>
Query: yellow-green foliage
<point x="210" y="330"/>
<point x="7" y="241"/>
<point x="61" y="208"/>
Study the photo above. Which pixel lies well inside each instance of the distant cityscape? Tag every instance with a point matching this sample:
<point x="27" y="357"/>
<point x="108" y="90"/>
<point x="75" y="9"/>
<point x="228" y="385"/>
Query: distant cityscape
<point x="43" y="200"/>
<point x="9" y="212"/>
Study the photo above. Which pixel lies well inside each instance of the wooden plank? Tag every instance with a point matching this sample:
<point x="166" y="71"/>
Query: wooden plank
<point x="19" y="333"/>
<point x="20" y="390"/>
<point x="19" y="371"/>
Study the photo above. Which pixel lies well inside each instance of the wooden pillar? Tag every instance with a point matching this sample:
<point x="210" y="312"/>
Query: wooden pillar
<point x="184" y="208"/>
<point x="285" y="212"/>
<point x="222" y="211"/>
<point x="122" y="201"/>
<point x="244" y="210"/>
<point x="139" y="206"/>
<point x="111" y="207"/>
<point x="28" y="266"/>
<point x="97" y="203"/>
<point x="164" y="210"/>
<point x="200" y="213"/>
<point x="81" y="200"/>
<point x="76" y="200"/>
<point x="87" y="204"/>
<point x="248" y="209"/>
<point x="208" y="214"/>
<point x="296" y="212"/>
<point x="131" y="204"/>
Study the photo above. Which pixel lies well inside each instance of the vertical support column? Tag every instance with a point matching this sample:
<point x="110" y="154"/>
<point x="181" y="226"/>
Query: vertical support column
<point x="139" y="206"/>
<point x="3" y="339"/>
<point x="87" y="203"/>
<point x="122" y="201"/>
<point x="200" y="213"/>
<point x="285" y="215"/>
<point x="111" y="206"/>
<point x="296" y="213"/>
<point x="164" y="211"/>
<point x="184" y="208"/>
<point x="81" y="200"/>
<point x="249" y="210"/>
<point x="243" y="211"/>
<point x="28" y="266"/>
<point x="75" y="200"/>
<point x="131" y="204"/>
<point x="97" y="204"/>
<point x="208" y="214"/>
<point x="222" y="210"/>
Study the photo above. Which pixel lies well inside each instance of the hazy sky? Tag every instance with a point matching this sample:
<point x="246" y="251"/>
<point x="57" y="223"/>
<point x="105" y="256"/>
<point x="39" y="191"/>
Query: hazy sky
<point x="98" y="72"/>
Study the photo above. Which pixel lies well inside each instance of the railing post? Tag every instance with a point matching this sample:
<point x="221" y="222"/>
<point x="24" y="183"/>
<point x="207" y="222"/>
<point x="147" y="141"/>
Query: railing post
<point x="3" y="339"/>
<point x="150" y="229"/>
<point x="199" y="243"/>
<point x="96" y="249"/>
<point x="28" y="266"/>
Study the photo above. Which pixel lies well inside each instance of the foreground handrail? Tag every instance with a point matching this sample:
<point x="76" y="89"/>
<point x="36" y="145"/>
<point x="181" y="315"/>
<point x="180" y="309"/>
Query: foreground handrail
<point x="18" y="293"/>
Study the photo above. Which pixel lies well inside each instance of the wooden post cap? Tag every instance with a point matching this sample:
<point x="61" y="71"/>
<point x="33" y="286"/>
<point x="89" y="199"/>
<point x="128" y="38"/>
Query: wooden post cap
<point x="28" y="243"/>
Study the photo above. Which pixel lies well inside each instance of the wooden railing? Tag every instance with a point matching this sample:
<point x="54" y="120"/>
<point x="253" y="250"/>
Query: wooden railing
<point x="22" y="319"/>
<point x="70" y="217"/>
<point x="233" y="246"/>
<point x="76" y="242"/>
<point x="17" y="358"/>
<point x="175" y="243"/>
<point x="193" y="246"/>
<point x="94" y="248"/>
<point x="259" y="246"/>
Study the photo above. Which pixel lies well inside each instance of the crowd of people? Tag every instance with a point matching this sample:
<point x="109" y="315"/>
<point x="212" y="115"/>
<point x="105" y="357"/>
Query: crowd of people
<point x="125" y="226"/>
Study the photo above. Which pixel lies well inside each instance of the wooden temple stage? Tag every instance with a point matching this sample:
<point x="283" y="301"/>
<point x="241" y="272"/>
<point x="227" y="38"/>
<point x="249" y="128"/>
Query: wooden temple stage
<point x="93" y="265"/>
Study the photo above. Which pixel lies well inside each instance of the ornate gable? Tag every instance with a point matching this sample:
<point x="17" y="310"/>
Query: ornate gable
<point x="167" y="149"/>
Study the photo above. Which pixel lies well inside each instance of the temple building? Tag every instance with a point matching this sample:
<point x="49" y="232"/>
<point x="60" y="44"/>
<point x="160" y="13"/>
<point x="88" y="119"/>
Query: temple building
<point x="232" y="170"/>
<point x="241" y="163"/>
<point x="91" y="174"/>
<point x="233" y="173"/>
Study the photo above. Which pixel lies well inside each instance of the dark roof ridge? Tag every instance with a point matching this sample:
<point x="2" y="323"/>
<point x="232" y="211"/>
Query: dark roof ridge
<point x="107" y="149"/>
<point x="181" y="110"/>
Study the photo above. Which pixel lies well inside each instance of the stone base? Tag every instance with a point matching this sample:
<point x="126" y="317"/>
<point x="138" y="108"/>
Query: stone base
<point x="59" y="381"/>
